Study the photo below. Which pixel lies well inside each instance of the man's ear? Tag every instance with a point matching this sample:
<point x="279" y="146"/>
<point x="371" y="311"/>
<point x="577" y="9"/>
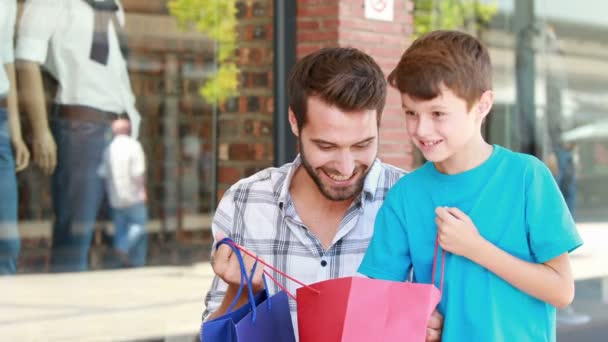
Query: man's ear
<point x="293" y="123"/>
<point x="484" y="105"/>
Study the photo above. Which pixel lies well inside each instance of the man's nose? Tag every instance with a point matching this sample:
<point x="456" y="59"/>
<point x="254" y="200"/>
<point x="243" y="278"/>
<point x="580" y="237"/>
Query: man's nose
<point x="346" y="164"/>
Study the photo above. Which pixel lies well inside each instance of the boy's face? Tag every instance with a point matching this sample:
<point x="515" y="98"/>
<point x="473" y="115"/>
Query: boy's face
<point x="444" y="126"/>
<point x="337" y="148"/>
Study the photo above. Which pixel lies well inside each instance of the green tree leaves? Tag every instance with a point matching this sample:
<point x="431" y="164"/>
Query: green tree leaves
<point x="216" y="19"/>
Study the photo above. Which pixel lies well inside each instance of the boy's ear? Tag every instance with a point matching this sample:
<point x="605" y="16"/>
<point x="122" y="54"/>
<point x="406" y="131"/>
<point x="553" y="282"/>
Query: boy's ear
<point x="484" y="105"/>
<point x="293" y="123"/>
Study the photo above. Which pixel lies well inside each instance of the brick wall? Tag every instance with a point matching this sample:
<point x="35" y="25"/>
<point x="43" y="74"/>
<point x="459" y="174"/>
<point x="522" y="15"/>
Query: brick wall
<point x="323" y="23"/>
<point x="245" y="121"/>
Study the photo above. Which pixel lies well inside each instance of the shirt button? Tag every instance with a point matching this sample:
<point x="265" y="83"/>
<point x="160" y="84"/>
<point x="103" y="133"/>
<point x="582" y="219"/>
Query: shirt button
<point x="323" y="263"/>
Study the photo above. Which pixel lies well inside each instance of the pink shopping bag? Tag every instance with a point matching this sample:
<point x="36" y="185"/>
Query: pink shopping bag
<point x="358" y="309"/>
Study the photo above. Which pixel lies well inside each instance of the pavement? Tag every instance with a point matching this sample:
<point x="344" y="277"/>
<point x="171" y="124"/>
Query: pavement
<point x="164" y="303"/>
<point x="145" y="304"/>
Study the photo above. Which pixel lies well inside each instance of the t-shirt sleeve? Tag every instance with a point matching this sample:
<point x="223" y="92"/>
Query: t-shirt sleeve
<point x="551" y="228"/>
<point x="388" y="254"/>
<point x="37" y="25"/>
<point x="7" y="28"/>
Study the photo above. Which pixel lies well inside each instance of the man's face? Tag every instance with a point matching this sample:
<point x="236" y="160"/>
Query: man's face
<point x="337" y="148"/>
<point x="443" y="127"/>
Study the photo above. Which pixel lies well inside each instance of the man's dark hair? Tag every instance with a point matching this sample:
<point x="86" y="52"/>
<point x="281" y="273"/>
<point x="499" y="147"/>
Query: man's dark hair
<point x="346" y="78"/>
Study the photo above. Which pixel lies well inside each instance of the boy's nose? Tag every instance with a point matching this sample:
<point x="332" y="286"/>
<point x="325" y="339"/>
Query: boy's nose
<point x="424" y="126"/>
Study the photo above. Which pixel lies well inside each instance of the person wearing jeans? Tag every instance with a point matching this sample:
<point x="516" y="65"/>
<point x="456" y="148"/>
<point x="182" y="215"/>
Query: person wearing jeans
<point x="14" y="155"/>
<point x="84" y="48"/>
<point x="77" y="190"/>
<point x="124" y="169"/>
<point x="9" y="235"/>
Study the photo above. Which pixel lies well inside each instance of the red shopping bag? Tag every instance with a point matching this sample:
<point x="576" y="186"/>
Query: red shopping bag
<point x="362" y="309"/>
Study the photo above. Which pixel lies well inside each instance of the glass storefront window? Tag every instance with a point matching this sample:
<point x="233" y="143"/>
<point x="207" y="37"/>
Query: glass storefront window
<point x="133" y="112"/>
<point x="550" y="73"/>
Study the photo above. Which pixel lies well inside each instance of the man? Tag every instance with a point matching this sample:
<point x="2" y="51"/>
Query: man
<point x="10" y="139"/>
<point x="312" y="218"/>
<point x="124" y="168"/>
<point x="83" y="46"/>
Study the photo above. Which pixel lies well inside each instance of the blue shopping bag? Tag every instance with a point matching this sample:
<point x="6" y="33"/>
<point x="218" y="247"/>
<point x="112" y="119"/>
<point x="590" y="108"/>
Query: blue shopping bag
<point x="264" y="318"/>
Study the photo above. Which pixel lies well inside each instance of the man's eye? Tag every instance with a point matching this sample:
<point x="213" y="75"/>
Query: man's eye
<point x="325" y="147"/>
<point x="363" y="145"/>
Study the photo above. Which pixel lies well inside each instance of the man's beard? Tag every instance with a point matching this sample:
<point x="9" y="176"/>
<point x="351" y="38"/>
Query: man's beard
<point x="333" y="194"/>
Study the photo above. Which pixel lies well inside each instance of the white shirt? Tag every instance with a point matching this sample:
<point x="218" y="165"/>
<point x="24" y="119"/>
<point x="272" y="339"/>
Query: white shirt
<point x="8" y="11"/>
<point x="123" y="167"/>
<point x="59" y="34"/>
<point x="259" y="214"/>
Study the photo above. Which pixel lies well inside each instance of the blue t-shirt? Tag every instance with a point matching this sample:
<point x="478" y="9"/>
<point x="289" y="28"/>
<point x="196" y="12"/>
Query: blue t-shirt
<point x="515" y="204"/>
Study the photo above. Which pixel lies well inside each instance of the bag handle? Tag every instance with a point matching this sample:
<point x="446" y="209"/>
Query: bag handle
<point x="435" y="264"/>
<point x="244" y="280"/>
<point x="241" y="248"/>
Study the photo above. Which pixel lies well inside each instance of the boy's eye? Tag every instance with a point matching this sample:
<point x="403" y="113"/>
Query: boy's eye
<point x="438" y="114"/>
<point x="409" y="113"/>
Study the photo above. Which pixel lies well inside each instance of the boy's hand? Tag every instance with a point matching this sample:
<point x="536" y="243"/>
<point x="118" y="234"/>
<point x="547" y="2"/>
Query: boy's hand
<point x="434" y="327"/>
<point x="457" y="233"/>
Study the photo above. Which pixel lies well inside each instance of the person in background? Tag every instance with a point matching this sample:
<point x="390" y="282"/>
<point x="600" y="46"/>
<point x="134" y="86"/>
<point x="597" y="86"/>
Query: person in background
<point x="124" y="168"/>
<point x="83" y="45"/>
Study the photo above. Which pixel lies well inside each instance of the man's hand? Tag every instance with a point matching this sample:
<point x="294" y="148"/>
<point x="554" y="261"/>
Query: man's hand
<point x="22" y="154"/>
<point x="457" y="233"/>
<point x="226" y="265"/>
<point x="435" y="327"/>
<point x="45" y="151"/>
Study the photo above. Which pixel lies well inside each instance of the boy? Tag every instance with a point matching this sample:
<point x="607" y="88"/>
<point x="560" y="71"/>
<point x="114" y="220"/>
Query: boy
<point x="498" y="214"/>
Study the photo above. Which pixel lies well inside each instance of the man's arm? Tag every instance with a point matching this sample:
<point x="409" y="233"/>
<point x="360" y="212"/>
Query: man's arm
<point x="225" y="264"/>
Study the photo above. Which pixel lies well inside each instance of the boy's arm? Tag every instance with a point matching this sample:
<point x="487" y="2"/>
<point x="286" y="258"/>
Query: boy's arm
<point x="550" y="281"/>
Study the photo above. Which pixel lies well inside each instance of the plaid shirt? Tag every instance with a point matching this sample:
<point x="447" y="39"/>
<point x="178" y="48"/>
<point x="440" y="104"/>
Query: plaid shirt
<point x="257" y="212"/>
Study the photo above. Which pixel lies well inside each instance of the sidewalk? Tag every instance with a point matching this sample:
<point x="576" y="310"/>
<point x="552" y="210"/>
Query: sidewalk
<point x="150" y="303"/>
<point x="165" y="303"/>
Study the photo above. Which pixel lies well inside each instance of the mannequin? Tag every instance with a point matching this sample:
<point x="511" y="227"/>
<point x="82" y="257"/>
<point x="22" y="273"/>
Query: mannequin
<point x="14" y="155"/>
<point x="83" y="47"/>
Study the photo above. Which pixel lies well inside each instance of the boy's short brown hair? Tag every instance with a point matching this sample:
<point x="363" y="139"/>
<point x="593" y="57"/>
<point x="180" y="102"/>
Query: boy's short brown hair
<point x="343" y="77"/>
<point x="455" y="59"/>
